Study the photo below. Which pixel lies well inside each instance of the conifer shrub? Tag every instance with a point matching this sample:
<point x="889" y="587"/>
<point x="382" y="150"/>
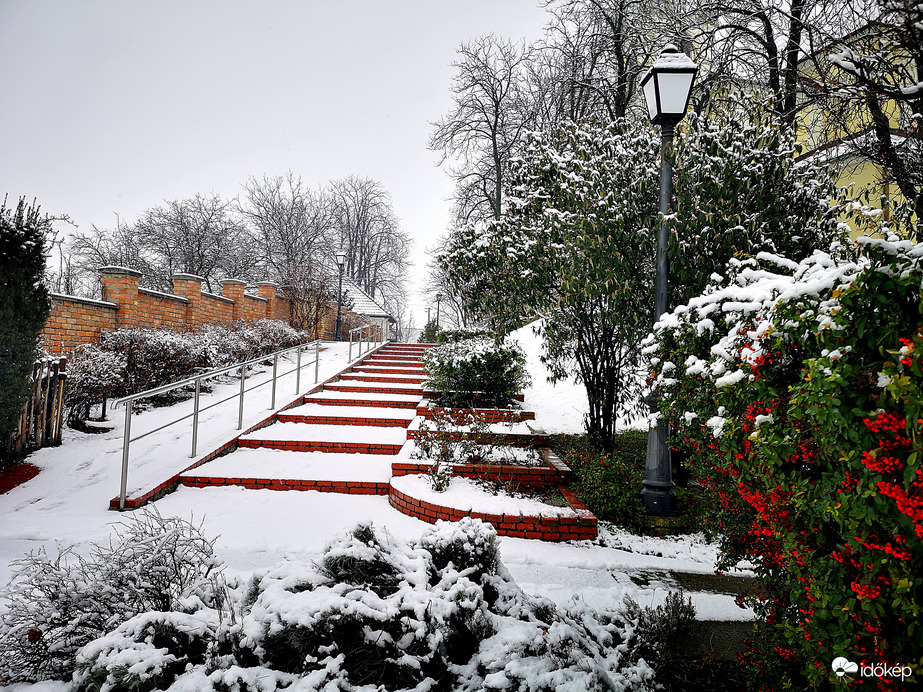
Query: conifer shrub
<point x="465" y="545"/>
<point x="23" y="309"/>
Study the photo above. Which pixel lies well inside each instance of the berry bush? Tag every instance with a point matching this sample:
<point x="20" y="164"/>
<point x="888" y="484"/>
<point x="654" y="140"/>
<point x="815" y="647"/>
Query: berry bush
<point x="796" y="388"/>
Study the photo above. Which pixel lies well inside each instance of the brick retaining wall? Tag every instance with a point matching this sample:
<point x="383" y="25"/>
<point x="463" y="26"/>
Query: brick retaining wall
<point x="580" y="526"/>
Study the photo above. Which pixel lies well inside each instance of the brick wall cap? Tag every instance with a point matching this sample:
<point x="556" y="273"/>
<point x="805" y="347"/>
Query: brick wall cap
<point x="232" y="282"/>
<point x="85" y="301"/>
<point x="253" y="297"/>
<point x="215" y="296"/>
<point x="120" y="271"/>
<point x="187" y="277"/>
<point x="161" y="294"/>
<point x="267" y="283"/>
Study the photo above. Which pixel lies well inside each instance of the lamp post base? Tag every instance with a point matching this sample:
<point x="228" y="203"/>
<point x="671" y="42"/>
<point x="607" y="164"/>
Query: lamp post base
<point x="657" y="495"/>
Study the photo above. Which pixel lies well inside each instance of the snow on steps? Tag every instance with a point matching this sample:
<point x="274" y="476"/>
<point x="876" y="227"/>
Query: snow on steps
<point x="345" y="436"/>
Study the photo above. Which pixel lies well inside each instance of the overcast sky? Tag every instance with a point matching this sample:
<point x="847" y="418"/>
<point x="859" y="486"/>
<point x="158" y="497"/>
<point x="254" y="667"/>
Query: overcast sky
<point x="112" y="106"/>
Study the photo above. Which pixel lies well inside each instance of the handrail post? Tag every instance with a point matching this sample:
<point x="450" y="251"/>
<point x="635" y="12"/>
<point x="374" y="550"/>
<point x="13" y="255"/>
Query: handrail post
<point x="275" y="367"/>
<point x="350" y="345"/>
<point x="126" y="441"/>
<point x="298" y="371"/>
<point x="195" y="418"/>
<point x="240" y="412"/>
<point x="316" y="360"/>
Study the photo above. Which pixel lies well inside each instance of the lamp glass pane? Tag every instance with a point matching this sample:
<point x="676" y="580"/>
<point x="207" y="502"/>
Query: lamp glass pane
<point x="674" y="91"/>
<point x="651" y="97"/>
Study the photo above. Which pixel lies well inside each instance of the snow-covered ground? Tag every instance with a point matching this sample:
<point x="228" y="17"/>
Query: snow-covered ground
<point x="68" y="501"/>
<point x="561" y="407"/>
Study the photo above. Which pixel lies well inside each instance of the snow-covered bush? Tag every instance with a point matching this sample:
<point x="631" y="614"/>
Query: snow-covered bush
<point x="153" y="357"/>
<point x="463" y="626"/>
<point x="373" y="613"/>
<point x="477" y="371"/>
<point x="58" y="604"/>
<point x="465" y="545"/>
<point x="147" y="652"/>
<point x="797" y="389"/>
<point x="93" y="374"/>
<point x="128" y="361"/>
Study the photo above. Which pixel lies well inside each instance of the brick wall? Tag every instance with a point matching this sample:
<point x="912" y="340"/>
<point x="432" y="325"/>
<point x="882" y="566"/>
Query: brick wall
<point x="74" y="321"/>
<point x="125" y="304"/>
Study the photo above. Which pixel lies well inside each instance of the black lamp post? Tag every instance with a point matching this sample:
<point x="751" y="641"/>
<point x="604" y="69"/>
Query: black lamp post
<point x="438" y="300"/>
<point x="341" y="263"/>
<point x="666" y="87"/>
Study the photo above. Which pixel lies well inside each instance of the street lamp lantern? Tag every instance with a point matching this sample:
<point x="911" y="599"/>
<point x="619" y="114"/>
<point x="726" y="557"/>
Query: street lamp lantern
<point x="667" y="86"/>
<point x="439" y="297"/>
<point x="341" y="264"/>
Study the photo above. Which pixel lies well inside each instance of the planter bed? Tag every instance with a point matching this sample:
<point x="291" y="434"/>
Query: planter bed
<point x="513" y="434"/>
<point x="522" y="518"/>
<point x="428" y="409"/>
<point x="551" y="472"/>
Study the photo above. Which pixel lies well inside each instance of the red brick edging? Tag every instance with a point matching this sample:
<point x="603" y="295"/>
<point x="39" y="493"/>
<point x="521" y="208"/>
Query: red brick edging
<point x="555" y="528"/>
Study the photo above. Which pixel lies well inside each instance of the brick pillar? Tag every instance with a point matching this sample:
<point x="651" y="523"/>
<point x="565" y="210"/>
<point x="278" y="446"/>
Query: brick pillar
<point x="233" y="289"/>
<point x="120" y="286"/>
<point x="267" y="290"/>
<point x="189" y="286"/>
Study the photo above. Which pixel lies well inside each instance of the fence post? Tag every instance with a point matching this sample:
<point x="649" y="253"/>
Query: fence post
<point x="240" y="412"/>
<point x="350" y="345"/>
<point x="195" y="417"/>
<point x="275" y="367"/>
<point x="298" y="371"/>
<point x="126" y="442"/>
<point x="316" y="360"/>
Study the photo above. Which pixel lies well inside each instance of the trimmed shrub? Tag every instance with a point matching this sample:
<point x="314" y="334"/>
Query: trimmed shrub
<point x="798" y="390"/>
<point x="476" y="372"/>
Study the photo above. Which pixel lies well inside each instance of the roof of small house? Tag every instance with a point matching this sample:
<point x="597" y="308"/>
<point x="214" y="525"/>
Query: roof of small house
<point x="363" y="303"/>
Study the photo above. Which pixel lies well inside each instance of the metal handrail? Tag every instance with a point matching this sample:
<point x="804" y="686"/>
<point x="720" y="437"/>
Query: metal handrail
<point x="369" y="329"/>
<point x="127" y="439"/>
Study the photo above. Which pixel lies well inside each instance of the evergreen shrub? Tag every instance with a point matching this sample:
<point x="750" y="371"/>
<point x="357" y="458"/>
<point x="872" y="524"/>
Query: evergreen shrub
<point x="477" y="372"/>
<point x="23" y="309"/>
<point x="798" y="392"/>
<point x="609" y="484"/>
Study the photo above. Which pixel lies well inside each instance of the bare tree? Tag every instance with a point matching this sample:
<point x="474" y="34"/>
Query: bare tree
<point x="290" y="222"/>
<point x="370" y="234"/>
<point x="868" y="85"/>
<point x="309" y="289"/>
<point x="454" y="312"/>
<point x="198" y="236"/>
<point x="595" y="53"/>
<point x="492" y="112"/>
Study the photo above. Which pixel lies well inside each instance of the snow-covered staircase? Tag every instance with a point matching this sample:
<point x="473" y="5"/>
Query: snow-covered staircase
<point x="342" y="439"/>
